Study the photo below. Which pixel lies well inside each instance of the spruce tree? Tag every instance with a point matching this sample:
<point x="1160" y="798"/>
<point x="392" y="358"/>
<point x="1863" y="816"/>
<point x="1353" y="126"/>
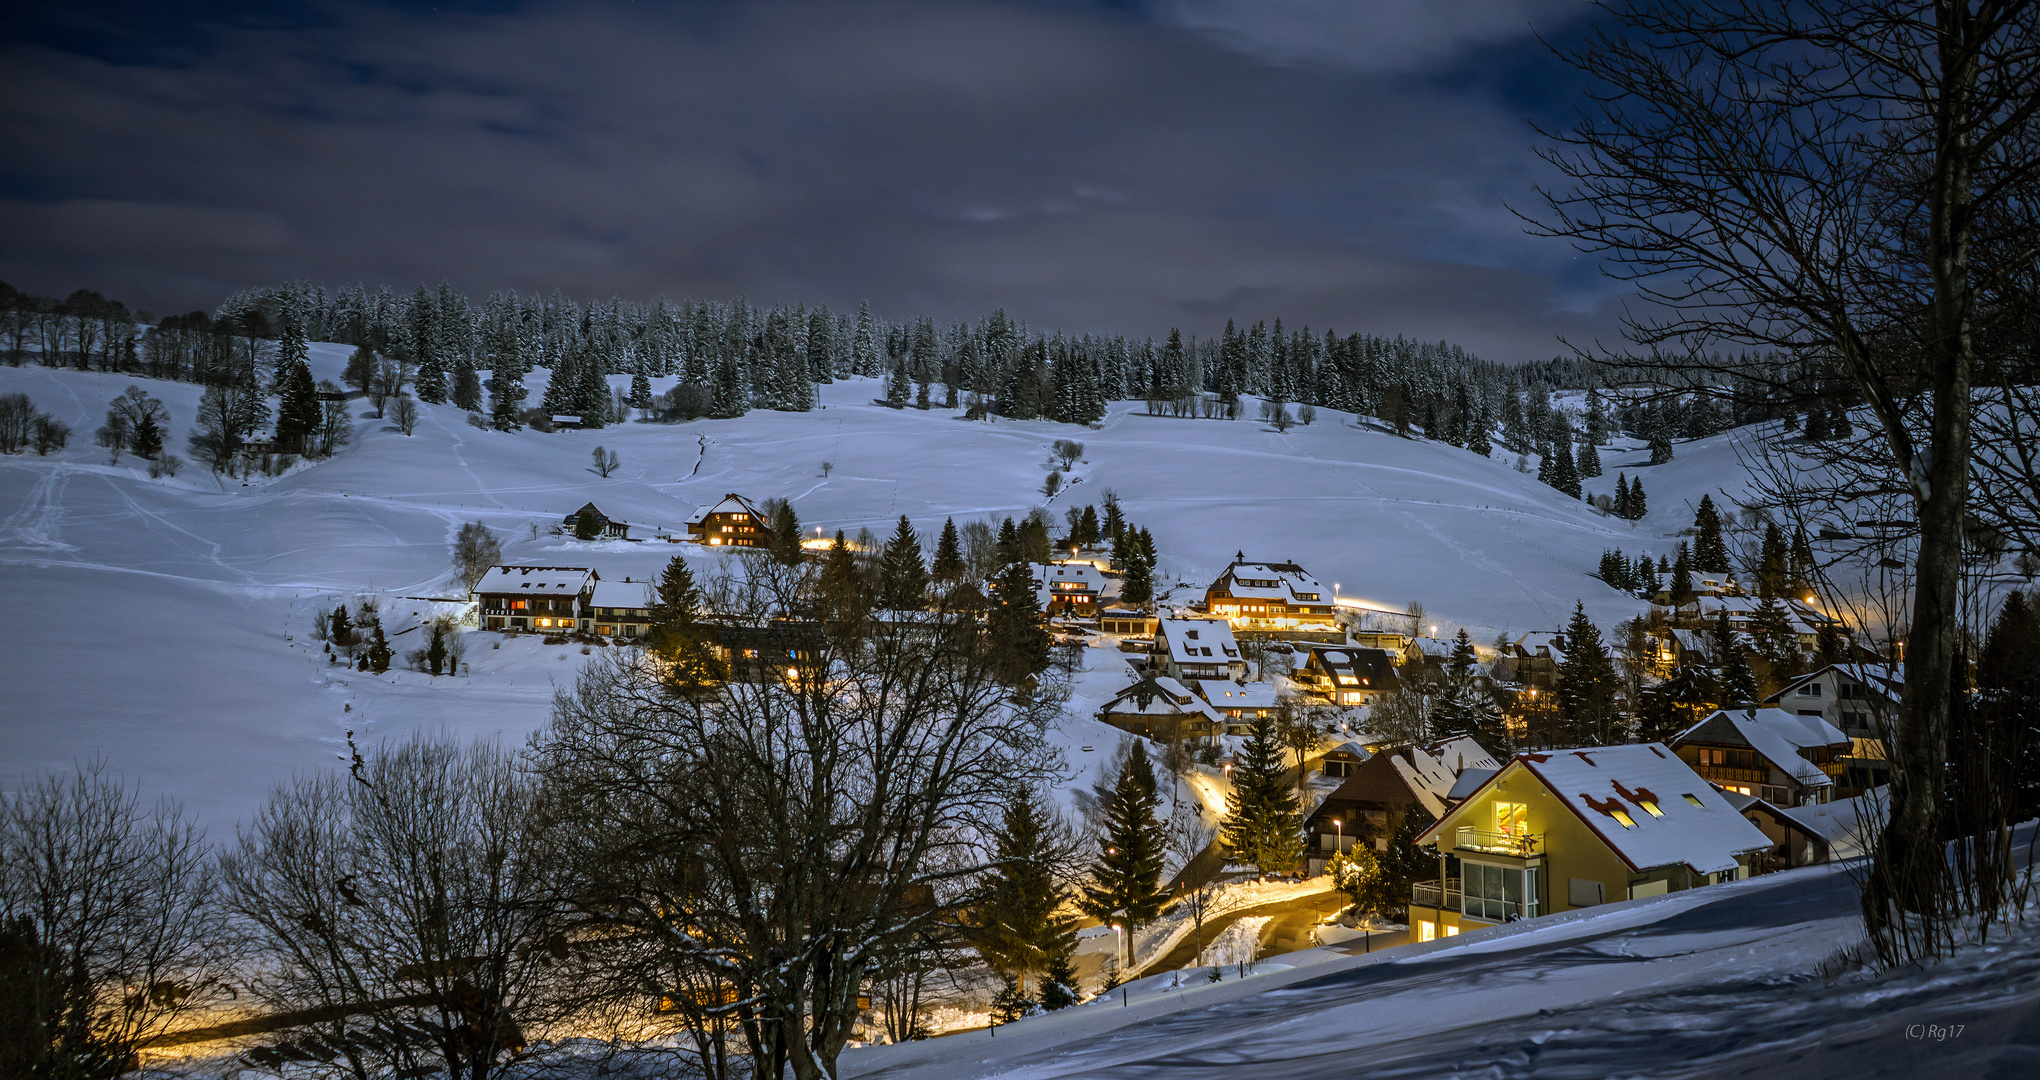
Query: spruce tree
<point x="1018" y="928"/>
<point x="1682" y="577"/>
<point x="1137" y="570"/>
<point x="1465" y="707"/>
<point x="1622" y="497"/>
<point x="677" y="636"/>
<point x="435" y="653"/>
<point x="2007" y="708"/>
<point x="841" y="588"/>
<point x="1589" y="463"/>
<point x="1771" y="570"/>
<point x="1737" y="684"/>
<point x="785" y="546"/>
<point x="1587" y="683"/>
<point x="297" y="415"/>
<point x="467" y="384"/>
<point x="902" y="580"/>
<point x="948" y="566"/>
<point x="1800" y="567"/>
<point x="1126" y="877"/>
<point x="1018" y="640"/>
<point x="377" y="657"/>
<point x="1087" y="528"/>
<point x="291" y="350"/>
<point x="1710" y="554"/>
<point x="1263" y="828"/>
<point x="1639" y="505"/>
<point x="897" y="385"/>
<point x="1562" y="474"/>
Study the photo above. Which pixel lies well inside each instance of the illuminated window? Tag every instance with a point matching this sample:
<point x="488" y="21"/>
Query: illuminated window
<point x="1510" y="818"/>
<point x="1451" y="931"/>
<point x="1651" y="808"/>
<point x="1623" y="817"/>
<point x="1694" y="799"/>
<point x="1426" y="930"/>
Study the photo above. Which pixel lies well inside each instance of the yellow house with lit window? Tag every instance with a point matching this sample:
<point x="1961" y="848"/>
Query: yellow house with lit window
<point x="1569" y="829"/>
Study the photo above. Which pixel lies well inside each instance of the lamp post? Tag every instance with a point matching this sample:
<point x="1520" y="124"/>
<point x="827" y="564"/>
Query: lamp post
<point x="1119" y="938"/>
<point x="1339" y="829"/>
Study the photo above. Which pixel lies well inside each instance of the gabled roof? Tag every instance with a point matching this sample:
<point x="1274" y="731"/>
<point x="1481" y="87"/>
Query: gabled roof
<point x="1777" y="735"/>
<point x="1427" y="774"/>
<point x="621" y="594"/>
<point x="536" y="580"/>
<point x="1198" y="641"/>
<point x="1694" y="827"/>
<point x="1282" y="581"/>
<point x="1850" y="826"/>
<point x="575" y="516"/>
<point x="1227" y="694"/>
<point x="1159" y="695"/>
<point x="731" y="503"/>
<point x="1375" y="668"/>
<point x="1886" y="679"/>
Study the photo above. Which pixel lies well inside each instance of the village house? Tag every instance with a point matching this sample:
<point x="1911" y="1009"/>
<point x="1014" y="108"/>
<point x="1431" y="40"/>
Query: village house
<point x="1375" y="794"/>
<point x="1159" y="707"/>
<point x="553" y="599"/>
<point x="733" y="522"/>
<point x="621" y="608"/>
<point x="1273" y="600"/>
<point x="1783" y="759"/>
<point x="1191" y="649"/>
<point x="1388" y="641"/>
<point x="1550" y="832"/>
<point x="1346" y="676"/>
<point x="606" y="528"/>
<point x="1069" y="588"/>
<point x="1858" y="699"/>
<point x="1239" y="703"/>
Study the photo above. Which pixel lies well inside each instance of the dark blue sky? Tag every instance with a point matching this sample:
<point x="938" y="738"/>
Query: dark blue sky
<point x="1121" y="166"/>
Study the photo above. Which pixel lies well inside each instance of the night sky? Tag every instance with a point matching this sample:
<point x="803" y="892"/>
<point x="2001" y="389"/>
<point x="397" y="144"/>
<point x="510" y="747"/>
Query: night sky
<point x="1115" y="167"/>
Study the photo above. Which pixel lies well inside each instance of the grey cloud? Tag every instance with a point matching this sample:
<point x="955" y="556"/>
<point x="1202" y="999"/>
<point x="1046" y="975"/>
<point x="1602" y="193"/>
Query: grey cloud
<point x="940" y="158"/>
<point x="1361" y="35"/>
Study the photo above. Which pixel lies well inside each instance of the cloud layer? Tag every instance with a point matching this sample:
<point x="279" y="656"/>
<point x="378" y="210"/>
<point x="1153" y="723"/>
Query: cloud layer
<point x="1089" y="171"/>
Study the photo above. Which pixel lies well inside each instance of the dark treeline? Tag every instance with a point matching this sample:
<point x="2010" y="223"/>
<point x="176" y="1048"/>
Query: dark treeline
<point x="731" y="357"/>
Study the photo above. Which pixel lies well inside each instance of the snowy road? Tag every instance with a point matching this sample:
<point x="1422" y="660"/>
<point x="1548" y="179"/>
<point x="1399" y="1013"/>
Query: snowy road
<point x="1715" y="982"/>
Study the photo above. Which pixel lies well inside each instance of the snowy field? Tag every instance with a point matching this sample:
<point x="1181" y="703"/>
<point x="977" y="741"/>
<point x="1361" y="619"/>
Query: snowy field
<point x="164" y="624"/>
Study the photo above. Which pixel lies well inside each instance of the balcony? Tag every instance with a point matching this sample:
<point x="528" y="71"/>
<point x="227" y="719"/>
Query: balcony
<point x="1520" y="844"/>
<point x="1731" y="774"/>
<point x="1441" y="894"/>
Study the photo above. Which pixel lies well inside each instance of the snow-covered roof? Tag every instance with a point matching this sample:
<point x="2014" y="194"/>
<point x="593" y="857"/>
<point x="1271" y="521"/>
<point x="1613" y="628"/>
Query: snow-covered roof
<point x="1886" y="679"/>
<point x="1431" y="773"/>
<point x="1160" y="696"/>
<point x="1198" y="641"/>
<point x="1066" y="579"/>
<point x="1777" y="735"/>
<point x="1283" y="581"/>
<point x="1850" y="826"/>
<point x="621" y="594"/>
<point x="1694" y="826"/>
<point x="1227" y="694"/>
<point x="1433" y="648"/>
<point x="1375" y="668"/>
<point x="536" y="580"/>
<point x="731" y="503"/>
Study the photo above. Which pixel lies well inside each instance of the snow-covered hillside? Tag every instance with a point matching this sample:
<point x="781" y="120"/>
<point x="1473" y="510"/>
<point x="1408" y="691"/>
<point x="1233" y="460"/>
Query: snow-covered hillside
<point x="163" y="624"/>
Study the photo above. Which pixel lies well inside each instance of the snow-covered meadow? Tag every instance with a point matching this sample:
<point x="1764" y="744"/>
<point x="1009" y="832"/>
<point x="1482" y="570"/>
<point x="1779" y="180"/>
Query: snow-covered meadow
<point x="164" y="624"/>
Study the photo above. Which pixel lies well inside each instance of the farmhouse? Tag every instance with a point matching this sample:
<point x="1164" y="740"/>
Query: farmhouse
<point x="1069" y="588"/>
<point x="606" y="528"/>
<point x="1554" y="831"/>
<point x="1239" y="703"/>
<point x="1272" y="600"/>
<point x="733" y="522"/>
<point x="551" y="598"/>
<point x="1119" y="620"/>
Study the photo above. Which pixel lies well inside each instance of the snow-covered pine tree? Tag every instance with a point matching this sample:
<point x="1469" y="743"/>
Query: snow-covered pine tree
<point x="1125" y="886"/>
<point x="897" y="385"/>
<point x="948" y="565"/>
<point x="1263" y="828"/>
<point x="902" y="580"/>
<point x="1589" y="463"/>
<point x="1710" y="554"/>
<point x="864" y="347"/>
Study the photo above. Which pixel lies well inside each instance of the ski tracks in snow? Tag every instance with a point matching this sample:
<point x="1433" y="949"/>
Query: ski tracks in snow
<point x="38" y="524"/>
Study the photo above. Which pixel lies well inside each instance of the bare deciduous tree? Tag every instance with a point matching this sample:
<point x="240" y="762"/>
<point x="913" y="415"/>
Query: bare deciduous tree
<point x="1852" y="184"/>
<point x="107" y="936"/>
<point x="475" y="550"/>
<point x="408" y="909"/>
<point x="805" y="826"/>
<point x="404" y="413"/>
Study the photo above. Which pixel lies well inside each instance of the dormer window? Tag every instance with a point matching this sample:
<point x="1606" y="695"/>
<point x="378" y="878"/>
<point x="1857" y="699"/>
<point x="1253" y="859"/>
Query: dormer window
<point x="1623" y="817"/>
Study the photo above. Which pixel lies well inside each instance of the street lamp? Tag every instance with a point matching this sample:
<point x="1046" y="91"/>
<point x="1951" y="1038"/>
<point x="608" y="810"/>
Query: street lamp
<point x="1339" y="829"/>
<point x="1119" y="938"/>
